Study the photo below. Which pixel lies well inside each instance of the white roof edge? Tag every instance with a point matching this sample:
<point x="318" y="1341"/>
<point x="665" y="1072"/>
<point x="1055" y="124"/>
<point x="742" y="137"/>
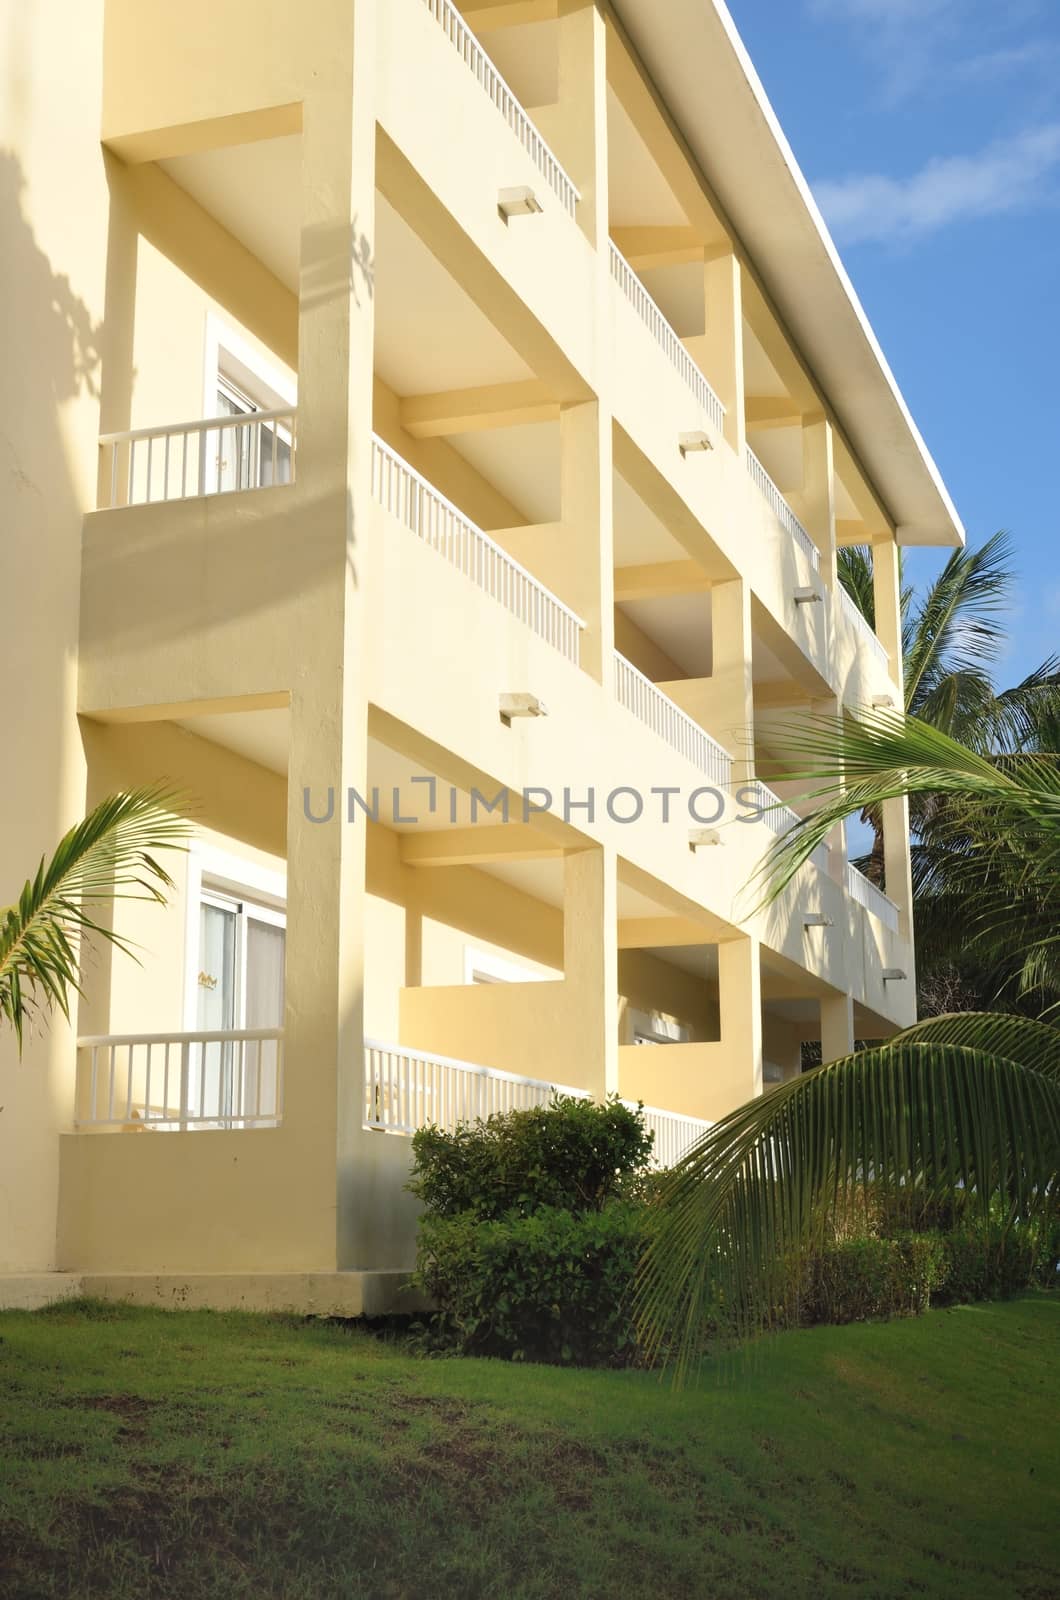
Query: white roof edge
<point x="809" y="284"/>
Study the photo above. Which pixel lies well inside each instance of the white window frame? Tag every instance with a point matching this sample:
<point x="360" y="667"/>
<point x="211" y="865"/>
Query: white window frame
<point x="230" y="357"/>
<point x="222" y="878"/>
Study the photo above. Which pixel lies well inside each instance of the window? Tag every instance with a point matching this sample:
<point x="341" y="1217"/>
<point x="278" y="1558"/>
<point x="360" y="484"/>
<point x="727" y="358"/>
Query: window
<point x="481" y="966"/>
<point x="239" y="985"/>
<point x="240" y="383"/>
<point x="651" y="1027"/>
<point x="251" y="457"/>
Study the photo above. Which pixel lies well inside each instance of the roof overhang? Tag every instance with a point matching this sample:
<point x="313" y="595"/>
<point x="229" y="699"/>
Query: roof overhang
<point x="694" y="55"/>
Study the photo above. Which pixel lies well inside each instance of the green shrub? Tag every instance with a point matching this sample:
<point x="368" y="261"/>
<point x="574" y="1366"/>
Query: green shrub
<point x="550" y="1286"/>
<point x="570" y="1154"/>
<point x="987" y="1262"/>
<point x="533" y="1225"/>
<point x="853" y="1279"/>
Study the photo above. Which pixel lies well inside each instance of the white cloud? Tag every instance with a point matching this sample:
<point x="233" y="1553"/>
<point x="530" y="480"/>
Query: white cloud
<point x="1009" y="175"/>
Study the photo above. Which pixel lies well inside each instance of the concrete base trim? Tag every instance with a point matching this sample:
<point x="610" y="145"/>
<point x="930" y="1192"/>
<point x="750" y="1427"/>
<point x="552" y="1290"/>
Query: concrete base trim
<point x="29" y="1291"/>
<point x="319" y="1294"/>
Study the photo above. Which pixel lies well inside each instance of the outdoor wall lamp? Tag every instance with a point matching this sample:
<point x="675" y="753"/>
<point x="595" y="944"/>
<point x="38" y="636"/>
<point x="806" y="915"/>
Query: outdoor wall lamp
<point x="521" y="705"/>
<point x="699" y="837"/>
<point x="894" y="975"/>
<point x="881" y="700"/>
<point x="808" y="597"/>
<point x="817" y="919"/>
<point x="519" y="202"/>
<point x="688" y="443"/>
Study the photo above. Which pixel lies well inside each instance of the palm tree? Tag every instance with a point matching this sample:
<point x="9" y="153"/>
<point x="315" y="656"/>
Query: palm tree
<point x="109" y="856"/>
<point x="969" y="1101"/>
<point x="952" y="642"/>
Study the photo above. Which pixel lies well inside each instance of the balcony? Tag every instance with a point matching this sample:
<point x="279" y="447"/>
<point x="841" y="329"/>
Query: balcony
<point x="175" y="1082"/>
<point x="665" y="337"/>
<point x="410" y="1089"/>
<point x="865" y="893"/>
<point x="781" y="818"/>
<point x="862" y="628"/>
<point x="489" y="79"/>
<point x="781" y="510"/>
<point x="648" y="703"/>
<point x="402" y="492"/>
<point x="252" y="450"/>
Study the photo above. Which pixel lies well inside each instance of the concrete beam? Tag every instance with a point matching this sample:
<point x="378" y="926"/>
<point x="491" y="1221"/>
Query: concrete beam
<point x="477" y="846"/>
<point x="657" y="578"/>
<point x="649" y="247"/>
<point x="500" y="405"/>
<point x="645" y="933"/>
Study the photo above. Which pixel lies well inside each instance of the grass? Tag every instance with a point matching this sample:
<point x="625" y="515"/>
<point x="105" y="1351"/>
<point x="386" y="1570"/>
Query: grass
<point x="191" y="1454"/>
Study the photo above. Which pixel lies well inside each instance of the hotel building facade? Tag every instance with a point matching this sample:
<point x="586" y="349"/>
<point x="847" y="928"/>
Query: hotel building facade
<point x="428" y="434"/>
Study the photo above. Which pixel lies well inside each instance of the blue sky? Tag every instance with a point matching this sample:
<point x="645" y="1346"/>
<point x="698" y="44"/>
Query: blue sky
<point x="930" y="132"/>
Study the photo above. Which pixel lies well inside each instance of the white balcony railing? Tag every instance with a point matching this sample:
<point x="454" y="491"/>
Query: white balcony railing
<point x="865" y="892"/>
<point x="178" y="1081"/>
<point x="648" y="703"/>
<point x="219" y="455"/>
<point x="409" y="1089"/>
<point x="779" y="817"/>
<point x="860" y="623"/>
<point x="665" y="336"/>
<point x="486" y="75"/>
<point x="781" y="510"/>
<point x="401" y="490"/>
<point x="674" y="1134"/>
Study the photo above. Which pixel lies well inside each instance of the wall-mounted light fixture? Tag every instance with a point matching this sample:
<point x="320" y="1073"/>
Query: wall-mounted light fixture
<point x="894" y="975"/>
<point x="699" y="838"/>
<point x="882" y="700"/>
<point x="817" y="919"/>
<point x="519" y="202"/>
<point x="689" y="443"/>
<point x="521" y="705"/>
<point x="808" y="597"/>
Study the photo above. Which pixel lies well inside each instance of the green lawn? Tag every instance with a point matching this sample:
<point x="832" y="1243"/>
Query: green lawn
<point x="189" y="1454"/>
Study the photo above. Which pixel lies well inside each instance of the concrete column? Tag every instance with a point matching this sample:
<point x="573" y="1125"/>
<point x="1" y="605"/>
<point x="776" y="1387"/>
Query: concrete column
<point x="328" y="749"/>
<point x="722" y="346"/>
<point x="578" y="125"/>
<point x="590" y="965"/>
<point x="887" y="598"/>
<point x="838" y="855"/>
<point x="837" y="1026"/>
<point x="732" y="720"/>
<point x="740" y="1008"/>
<point x="897" y="862"/>
<point x="818" y="492"/>
<point x="586" y="495"/>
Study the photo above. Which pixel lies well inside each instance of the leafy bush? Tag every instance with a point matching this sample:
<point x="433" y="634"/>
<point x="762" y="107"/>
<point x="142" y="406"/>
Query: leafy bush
<point x="854" y="1279"/>
<point x="985" y="1262"/>
<point x="571" y="1154"/>
<point x="533" y="1226"/>
<point x="546" y="1286"/>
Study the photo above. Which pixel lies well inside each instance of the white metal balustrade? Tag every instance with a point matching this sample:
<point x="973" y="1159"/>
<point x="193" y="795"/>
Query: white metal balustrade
<point x="650" y="705"/>
<point x="409" y="1089"/>
<point x="860" y="623"/>
<point x="674" y="1134"/>
<point x="219" y="455"/>
<point x="486" y="75"/>
<point x="401" y="490"/>
<point x="866" y="893"/>
<point x="174" y="1082"/>
<point x="779" y="818"/>
<point x="781" y="510"/>
<point x="665" y="336"/>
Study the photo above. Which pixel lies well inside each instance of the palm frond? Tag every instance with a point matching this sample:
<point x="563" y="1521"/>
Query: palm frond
<point x="109" y="856"/>
<point x="854" y="569"/>
<point x="948" y="1108"/>
<point x="957" y="626"/>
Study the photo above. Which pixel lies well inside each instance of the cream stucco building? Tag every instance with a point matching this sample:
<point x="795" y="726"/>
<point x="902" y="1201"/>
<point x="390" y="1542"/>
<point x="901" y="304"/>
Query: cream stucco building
<point x="427" y="435"/>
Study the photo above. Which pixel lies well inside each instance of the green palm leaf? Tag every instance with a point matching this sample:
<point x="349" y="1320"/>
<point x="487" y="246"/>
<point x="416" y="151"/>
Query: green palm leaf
<point x="970" y="1101"/>
<point x="109" y="856"/>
